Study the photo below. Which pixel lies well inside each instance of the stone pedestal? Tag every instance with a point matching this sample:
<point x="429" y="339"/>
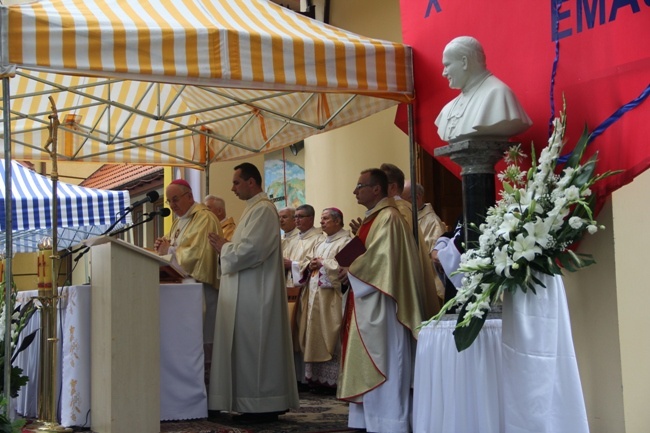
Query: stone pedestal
<point x="476" y="159"/>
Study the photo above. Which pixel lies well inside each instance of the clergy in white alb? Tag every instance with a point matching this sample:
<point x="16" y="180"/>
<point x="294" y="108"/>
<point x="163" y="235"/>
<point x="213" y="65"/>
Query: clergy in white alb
<point x="321" y="308"/>
<point x="288" y="226"/>
<point x="252" y="370"/>
<point x="299" y="252"/>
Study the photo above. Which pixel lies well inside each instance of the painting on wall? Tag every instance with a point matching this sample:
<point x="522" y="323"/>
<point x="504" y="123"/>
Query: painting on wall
<point x="284" y="179"/>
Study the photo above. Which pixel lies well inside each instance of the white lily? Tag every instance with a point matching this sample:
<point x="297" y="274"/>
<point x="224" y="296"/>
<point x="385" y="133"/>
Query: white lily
<point x="525" y="246"/>
<point x="502" y="261"/>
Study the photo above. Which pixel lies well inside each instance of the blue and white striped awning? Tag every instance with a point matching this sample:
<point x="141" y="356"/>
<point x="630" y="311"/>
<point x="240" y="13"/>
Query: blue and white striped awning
<point x="82" y="212"/>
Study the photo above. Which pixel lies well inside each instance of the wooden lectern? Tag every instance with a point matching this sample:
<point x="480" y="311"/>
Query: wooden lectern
<point x="125" y="337"/>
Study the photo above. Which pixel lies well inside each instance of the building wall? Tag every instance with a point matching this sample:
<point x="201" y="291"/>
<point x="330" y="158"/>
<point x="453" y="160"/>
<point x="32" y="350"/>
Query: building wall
<point x="631" y="219"/>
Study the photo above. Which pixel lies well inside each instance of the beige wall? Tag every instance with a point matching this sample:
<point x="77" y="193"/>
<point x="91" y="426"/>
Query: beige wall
<point x="609" y="317"/>
<point x="592" y="301"/>
<point x="631" y="219"/>
<point x="333" y="160"/>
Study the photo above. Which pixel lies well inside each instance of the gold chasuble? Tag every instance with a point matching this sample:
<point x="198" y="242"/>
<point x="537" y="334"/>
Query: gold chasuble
<point x="390" y="265"/>
<point x="430" y="296"/>
<point x="189" y="238"/>
<point x="228" y="226"/>
<point x="320" y="306"/>
<point x="432" y="228"/>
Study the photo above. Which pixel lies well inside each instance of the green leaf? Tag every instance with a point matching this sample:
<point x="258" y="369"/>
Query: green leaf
<point x="465" y="335"/>
<point x="587" y="171"/>
<point x="576" y="155"/>
<point x="24" y="345"/>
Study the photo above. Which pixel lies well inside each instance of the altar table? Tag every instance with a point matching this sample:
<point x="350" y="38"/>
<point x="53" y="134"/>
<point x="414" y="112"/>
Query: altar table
<point x="182" y="388"/>
<point x="458" y="392"/>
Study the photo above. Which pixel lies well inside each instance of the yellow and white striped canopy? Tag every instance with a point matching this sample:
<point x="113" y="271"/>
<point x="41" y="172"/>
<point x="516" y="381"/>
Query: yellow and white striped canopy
<point x="186" y="82"/>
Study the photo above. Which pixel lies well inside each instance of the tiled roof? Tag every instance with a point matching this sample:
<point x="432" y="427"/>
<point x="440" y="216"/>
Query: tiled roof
<point x="124" y="176"/>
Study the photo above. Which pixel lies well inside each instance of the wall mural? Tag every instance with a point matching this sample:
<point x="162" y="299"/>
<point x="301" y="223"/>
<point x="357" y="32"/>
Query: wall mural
<point x="284" y="180"/>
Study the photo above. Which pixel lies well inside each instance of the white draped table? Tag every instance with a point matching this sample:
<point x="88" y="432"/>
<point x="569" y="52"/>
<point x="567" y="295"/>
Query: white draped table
<point x="458" y="392"/>
<point x="182" y="389"/>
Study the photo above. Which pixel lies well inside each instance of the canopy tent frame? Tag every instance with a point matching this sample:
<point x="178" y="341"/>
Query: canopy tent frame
<point x="164" y="114"/>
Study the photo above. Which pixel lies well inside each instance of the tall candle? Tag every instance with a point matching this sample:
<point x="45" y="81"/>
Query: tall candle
<point x="40" y="268"/>
<point x="47" y="268"/>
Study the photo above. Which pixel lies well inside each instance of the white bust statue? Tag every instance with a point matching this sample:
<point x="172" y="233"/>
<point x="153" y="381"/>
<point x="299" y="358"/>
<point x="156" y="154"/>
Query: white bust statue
<point x="486" y="108"/>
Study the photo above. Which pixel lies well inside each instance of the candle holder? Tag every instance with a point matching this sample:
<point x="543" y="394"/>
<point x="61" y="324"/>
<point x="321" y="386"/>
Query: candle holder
<point x="3" y="256"/>
<point x="48" y="292"/>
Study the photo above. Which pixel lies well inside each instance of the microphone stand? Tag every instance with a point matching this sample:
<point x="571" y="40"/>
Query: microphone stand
<point x="87" y="248"/>
<point x="123" y="213"/>
<point x="146" y="220"/>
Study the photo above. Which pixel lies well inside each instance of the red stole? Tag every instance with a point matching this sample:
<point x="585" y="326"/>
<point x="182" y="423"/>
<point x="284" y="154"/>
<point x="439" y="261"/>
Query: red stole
<point x="362" y="233"/>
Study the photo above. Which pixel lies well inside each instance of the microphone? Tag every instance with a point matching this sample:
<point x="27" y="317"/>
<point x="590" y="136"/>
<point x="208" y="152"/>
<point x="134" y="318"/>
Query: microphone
<point x="151" y="197"/>
<point x="164" y="212"/>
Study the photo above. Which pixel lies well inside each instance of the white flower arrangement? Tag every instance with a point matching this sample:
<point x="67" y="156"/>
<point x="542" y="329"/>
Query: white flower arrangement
<point x="538" y="216"/>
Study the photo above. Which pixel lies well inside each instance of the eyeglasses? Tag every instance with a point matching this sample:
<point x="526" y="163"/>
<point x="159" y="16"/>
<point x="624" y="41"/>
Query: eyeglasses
<point x="297" y="217"/>
<point x="176" y="199"/>
<point x="361" y="185"/>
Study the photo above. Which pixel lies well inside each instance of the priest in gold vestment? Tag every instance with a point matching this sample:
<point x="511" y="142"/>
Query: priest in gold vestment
<point x="382" y="313"/>
<point x="320" y="307"/>
<point x="187" y="243"/>
<point x="431" y="225"/>
<point x="218" y="207"/>
<point x="432" y="291"/>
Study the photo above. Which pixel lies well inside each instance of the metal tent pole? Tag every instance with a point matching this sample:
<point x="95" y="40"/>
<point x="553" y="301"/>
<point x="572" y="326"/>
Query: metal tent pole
<point x="9" y="236"/>
<point x="412" y="153"/>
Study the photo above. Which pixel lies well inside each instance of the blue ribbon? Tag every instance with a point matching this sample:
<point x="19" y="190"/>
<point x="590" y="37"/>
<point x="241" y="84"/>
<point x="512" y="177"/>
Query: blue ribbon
<point x="556" y="11"/>
<point x="612" y="119"/>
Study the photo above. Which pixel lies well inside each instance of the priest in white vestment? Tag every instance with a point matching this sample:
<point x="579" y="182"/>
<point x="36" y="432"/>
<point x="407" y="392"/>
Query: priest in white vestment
<point x="252" y="371"/>
<point x="289" y="232"/>
<point x="297" y="256"/>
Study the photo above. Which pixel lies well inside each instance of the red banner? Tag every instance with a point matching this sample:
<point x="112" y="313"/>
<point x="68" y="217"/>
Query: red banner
<point x="595" y="53"/>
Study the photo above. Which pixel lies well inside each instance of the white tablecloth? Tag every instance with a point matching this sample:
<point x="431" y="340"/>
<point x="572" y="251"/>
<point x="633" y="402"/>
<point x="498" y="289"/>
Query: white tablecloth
<point x="458" y="392"/>
<point x="182" y="388"/>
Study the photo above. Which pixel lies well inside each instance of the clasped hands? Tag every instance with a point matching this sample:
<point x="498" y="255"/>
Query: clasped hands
<point x="315" y="264"/>
<point x="217" y="242"/>
<point x="161" y="246"/>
